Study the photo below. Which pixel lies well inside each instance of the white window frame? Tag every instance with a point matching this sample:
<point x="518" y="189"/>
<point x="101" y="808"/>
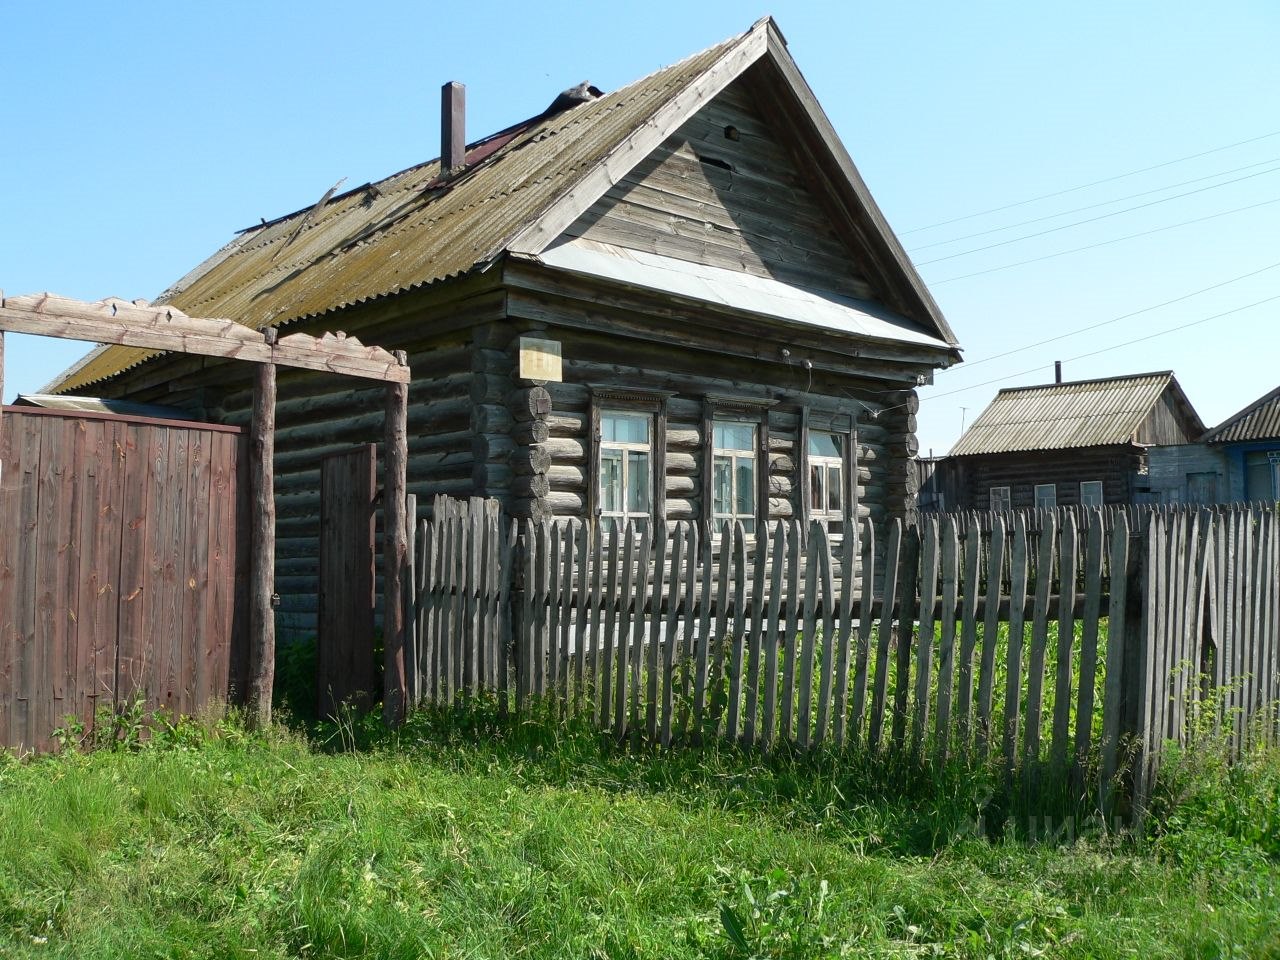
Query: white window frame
<point x="1052" y="488"/>
<point x="626" y="448"/>
<point x="1095" y="485"/>
<point x="736" y="456"/>
<point x="1001" y="499"/>
<point x="832" y="517"/>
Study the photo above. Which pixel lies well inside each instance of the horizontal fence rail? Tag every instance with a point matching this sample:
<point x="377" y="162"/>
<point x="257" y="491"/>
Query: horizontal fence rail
<point x="1065" y="645"/>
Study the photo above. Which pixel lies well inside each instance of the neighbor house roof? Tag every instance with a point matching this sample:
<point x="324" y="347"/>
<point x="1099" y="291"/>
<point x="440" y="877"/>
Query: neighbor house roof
<point x="1060" y="416"/>
<point x="519" y="190"/>
<point x="1260" y="420"/>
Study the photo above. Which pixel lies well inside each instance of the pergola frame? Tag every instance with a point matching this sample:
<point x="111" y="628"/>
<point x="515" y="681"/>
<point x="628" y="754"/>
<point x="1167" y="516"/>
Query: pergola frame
<point x="164" y="328"/>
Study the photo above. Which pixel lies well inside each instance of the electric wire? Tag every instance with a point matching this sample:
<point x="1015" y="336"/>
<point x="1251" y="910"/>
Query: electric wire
<point x="1093" y="206"/>
<point x="1104" y="243"/>
<point x="1093" y="183"/>
<point x="1094" y="353"/>
<point x="970" y="364"/>
<point x="1101" y="216"/>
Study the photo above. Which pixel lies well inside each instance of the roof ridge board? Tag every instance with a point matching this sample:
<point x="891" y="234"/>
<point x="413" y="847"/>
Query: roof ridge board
<point x="1077" y="383"/>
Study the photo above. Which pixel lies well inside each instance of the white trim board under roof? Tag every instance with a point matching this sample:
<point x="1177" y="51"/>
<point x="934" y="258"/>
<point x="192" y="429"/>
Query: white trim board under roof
<point x="740" y="291"/>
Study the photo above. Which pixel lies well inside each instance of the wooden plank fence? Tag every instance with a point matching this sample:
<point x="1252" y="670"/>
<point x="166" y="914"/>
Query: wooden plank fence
<point x="1065" y="646"/>
<point x="123" y="564"/>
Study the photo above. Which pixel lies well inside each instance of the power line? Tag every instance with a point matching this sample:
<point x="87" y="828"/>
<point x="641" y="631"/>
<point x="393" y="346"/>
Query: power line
<point x="1104" y="243"/>
<point x="1101" y="216"/>
<point x="1093" y="183"/>
<point x="1094" y="353"/>
<point x="970" y="364"/>
<point x="1092" y="206"/>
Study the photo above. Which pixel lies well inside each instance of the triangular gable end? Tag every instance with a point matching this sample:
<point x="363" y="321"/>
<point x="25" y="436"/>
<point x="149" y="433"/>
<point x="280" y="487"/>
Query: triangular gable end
<point x="681" y="187"/>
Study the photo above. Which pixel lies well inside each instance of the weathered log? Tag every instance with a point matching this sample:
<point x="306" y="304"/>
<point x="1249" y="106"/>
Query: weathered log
<point x="533" y="460"/>
<point x="531" y="485"/>
<point x="529" y="403"/>
<point x="262" y="620"/>
<point x="530" y="431"/>
<point x="395" y="548"/>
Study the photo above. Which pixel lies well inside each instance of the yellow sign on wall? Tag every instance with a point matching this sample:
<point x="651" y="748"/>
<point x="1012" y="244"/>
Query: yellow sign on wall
<point x="540" y="360"/>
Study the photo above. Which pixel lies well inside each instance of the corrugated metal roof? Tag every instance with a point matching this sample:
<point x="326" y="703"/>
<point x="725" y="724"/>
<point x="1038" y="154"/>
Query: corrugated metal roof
<point x="1258" y="421"/>
<point x="1058" y="416"/>
<point x="409" y="230"/>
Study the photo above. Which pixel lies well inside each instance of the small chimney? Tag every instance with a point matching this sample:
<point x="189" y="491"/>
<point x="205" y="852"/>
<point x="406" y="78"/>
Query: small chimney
<point x="1057" y="371"/>
<point x="453" y="128"/>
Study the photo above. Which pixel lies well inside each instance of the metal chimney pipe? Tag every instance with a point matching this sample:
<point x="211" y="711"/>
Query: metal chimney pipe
<point x="453" y="128"/>
<point x="1057" y="371"/>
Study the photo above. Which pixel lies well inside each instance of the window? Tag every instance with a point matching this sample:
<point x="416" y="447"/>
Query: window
<point x="733" y="474"/>
<point x="1262" y="475"/>
<point x="1091" y="493"/>
<point x="1000" y="499"/>
<point x="826" y="478"/>
<point x="626" y="475"/>
<point x="1046" y="495"/>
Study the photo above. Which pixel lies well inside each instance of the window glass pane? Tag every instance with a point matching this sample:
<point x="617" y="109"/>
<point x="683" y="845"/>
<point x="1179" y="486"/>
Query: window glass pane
<point x="816" y="473"/>
<point x="748" y="525"/>
<point x="1091" y="493"/>
<point x="833" y="488"/>
<point x="727" y="435"/>
<point x="637" y="481"/>
<point x="611" y="480"/>
<point x="624" y="428"/>
<point x="746" y="477"/>
<point x="823" y="444"/>
<point x="721" y="479"/>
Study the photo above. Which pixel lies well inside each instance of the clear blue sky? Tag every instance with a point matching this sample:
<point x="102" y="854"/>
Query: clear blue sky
<point x="140" y="136"/>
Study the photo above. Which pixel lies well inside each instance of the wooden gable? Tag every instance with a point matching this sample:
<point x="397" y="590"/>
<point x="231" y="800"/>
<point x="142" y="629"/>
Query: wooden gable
<point x="726" y="190"/>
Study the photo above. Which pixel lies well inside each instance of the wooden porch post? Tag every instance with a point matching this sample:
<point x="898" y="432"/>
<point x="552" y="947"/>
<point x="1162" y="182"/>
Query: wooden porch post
<point x="1" y="401"/>
<point x="262" y="622"/>
<point x="395" y="548"/>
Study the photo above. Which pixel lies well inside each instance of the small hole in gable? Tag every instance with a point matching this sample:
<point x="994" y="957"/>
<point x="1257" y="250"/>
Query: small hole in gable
<point x="731" y="132"/>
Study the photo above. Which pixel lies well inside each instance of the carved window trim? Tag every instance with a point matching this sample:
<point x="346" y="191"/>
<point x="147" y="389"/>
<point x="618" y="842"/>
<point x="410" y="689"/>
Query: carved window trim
<point x="632" y="400"/>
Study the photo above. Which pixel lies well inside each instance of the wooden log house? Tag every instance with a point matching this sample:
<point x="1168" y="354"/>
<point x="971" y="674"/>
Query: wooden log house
<point x="1083" y="442"/>
<point x="677" y="300"/>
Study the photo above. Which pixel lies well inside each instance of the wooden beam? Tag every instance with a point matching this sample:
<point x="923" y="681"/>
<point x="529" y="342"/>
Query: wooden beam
<point x="395" y="549"/>
<point x="262" y="624"/>
<point x="138" y="324"/>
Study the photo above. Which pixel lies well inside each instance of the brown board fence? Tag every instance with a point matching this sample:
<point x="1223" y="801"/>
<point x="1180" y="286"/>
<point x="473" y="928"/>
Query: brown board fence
<point x="122" y="558"/>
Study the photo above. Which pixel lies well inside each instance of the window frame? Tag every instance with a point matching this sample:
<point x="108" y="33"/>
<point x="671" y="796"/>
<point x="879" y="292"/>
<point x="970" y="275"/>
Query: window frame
<point x="735" y="455"/>
<point x="1007" y="497"/>
<point x="748" y="410"/>
<point x="1101" y="493"/>
<point x="628" y="402"/>
<point x="1035" y="496"/>
<point x="833" y="423"/>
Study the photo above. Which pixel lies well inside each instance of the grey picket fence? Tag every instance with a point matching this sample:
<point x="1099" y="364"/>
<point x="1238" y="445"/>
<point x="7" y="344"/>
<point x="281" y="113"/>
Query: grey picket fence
<point x="1063" y="645"/>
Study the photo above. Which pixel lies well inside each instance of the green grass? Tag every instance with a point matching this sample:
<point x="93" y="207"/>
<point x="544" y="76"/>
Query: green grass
<point x="471" y="836"/>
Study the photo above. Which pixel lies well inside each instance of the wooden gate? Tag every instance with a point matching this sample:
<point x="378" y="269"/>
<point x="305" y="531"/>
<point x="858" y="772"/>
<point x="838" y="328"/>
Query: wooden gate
<point x="344" y="644"/>
<point x="122" y="552"/>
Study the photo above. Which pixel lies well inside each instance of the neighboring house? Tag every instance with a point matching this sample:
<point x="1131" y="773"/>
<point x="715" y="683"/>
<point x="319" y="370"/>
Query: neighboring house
<point x="1249" y="444"/>
<point x="1063" y="444"/>
<point x="739" y="333"/>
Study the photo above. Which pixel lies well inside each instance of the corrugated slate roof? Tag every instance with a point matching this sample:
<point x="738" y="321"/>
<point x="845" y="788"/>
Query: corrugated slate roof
<point x="1258" y="421"/>
<point x="1057" y="416"/>
<point x="409" y="229"/>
